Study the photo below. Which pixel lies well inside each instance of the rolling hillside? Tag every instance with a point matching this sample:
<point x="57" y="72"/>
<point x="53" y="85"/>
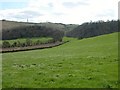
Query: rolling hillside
<point x="86" y="63"/>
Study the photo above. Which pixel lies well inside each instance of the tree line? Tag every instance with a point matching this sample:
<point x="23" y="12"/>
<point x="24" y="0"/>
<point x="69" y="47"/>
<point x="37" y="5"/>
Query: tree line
<point x="28" y="42"/>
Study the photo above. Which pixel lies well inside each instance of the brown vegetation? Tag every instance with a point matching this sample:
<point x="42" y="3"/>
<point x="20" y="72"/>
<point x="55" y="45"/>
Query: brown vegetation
<point x="42" y="46"/>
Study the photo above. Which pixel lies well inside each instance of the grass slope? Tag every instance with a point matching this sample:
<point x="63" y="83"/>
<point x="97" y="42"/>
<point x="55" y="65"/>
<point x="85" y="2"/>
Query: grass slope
<point x="86" y="63"/>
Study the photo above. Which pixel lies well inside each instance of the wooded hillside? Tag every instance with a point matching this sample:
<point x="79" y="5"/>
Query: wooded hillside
<point x="93" y="29"/>
<point x="32" y="31"/>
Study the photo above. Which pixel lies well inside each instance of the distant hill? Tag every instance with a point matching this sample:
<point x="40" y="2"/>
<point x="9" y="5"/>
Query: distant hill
<point x="93" y="29"/>
<point x="13" y="24"/>
<point x="13" y="29"/>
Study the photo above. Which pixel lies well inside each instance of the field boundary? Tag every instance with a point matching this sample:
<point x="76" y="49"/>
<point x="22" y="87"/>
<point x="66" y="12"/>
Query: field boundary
<point x="42" y="46"/>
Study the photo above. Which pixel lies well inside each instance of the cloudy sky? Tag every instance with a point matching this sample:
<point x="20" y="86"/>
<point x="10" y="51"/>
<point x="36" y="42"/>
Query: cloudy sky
<point x="59" y="11"/>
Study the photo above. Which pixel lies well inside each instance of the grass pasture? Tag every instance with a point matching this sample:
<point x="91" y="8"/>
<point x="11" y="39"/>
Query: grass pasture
<point x="86" y="63"/>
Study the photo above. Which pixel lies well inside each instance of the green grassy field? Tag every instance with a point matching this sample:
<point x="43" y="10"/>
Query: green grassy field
<point x="86" y="63"/>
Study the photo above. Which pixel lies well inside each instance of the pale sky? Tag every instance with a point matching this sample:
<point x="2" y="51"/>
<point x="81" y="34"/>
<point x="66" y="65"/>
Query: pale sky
<point x="59" y="11"/>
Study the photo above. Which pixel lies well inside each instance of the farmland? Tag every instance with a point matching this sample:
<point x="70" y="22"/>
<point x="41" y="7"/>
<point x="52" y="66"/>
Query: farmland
<point x="86" y="63"/>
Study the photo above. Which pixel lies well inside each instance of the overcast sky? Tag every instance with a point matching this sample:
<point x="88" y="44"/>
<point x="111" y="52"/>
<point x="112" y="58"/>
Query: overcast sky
<point x="59" y="11"/>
